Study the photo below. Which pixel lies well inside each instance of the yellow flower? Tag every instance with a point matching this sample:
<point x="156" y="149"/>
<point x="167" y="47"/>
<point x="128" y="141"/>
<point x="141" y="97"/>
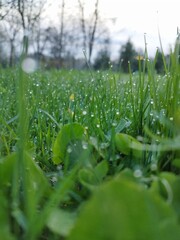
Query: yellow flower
<point x="139" y="57"/>
<point x="72" y="97"/>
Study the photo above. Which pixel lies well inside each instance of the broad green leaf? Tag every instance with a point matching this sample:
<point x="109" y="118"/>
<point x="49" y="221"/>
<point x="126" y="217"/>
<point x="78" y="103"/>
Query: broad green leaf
<point x="88" y="178"/>
<point x="176" y="196"/>
<point x="5" y="222"/>
<point x="6" y="234"/>
<point x="176" y="162"/>
<point x="168" y="186"/>
<point x="6" y="170"/>
<point x="61" y="222"/>
<point x="120" y="210"/>
<point x="98" y="148"/>
<point x="36" y="185"/>
<point x="91" y="177"/>
<point x="69" y="134"/>
<point x="101" y="170"/>
<point x="165" y="144"/>
<point x="120" y="127"/>
<point x="162" y="185"/>
<point x="20" y="218"/>
<point x="124" y="144"/>
<point x="127" y="173"/>
<point x="36" y="177"/>
<point x="136" y="148"/>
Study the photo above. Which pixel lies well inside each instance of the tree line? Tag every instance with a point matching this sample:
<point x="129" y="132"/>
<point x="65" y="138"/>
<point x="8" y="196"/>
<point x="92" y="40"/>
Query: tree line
<point x="25" y="22"/>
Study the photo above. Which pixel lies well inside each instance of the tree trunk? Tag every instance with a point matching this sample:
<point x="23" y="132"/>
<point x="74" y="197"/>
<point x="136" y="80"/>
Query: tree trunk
<point x="92" y="34"/>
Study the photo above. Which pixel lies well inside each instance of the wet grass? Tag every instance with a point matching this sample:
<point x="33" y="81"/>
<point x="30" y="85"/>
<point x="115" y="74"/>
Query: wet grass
<point x="35" y="107"/>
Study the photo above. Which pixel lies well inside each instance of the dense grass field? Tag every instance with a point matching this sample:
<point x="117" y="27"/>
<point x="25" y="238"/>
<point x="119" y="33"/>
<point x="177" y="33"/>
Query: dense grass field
<point x="90" y="155"/>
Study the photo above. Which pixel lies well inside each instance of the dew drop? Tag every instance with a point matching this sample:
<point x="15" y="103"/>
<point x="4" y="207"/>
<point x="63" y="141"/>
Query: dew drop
<point x="69" y="149"/>
<point x="114" y="124"/>
<point x="54" y="179"/>
<point x="137" y="173"/>
<point x="59" y="167"/>
<point x="153" y="167"/>
<point x="84" y="145"/>
<point x="84" y="113"/>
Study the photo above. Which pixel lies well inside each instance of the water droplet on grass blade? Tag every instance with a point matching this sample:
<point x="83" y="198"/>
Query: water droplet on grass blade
<point x="114" y="124"/>
<point x="54" y="179"/>
<point x="138" y="173"/>
<point x="59" y="167"/>
<point x="84" y="112"/>
<point x="153" y="167"/>
<point x="84" y="145"/>
<point x="69" y="149"/>
<point x="152" y="102"/>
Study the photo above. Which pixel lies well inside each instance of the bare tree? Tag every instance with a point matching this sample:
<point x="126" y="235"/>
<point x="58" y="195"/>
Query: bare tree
<point x="57" y="36"/>
<point x="30" y="12"/>
<point x="61" y="30"/>
<point x="19" y="17"/>
<point x="93" y="28"/>
<point x="3" y="60"/>
<point x="57" y="48"/>
<point x="89" y="28"/>
<point x="5" y="8"/>
<point x="39" y="40"/>
<point x="83" y="22"/>
<point x="11" y="26"/>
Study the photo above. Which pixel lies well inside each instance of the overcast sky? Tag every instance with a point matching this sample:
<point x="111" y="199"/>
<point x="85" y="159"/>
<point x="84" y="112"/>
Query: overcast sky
<point x="137" y="17"/>
<point x="133" y="18"/>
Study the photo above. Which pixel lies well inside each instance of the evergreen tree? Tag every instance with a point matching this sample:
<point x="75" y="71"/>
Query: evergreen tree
<point x="159" y="65"/>
<point x="128" y="54"/>
<point x="102" y="60"/>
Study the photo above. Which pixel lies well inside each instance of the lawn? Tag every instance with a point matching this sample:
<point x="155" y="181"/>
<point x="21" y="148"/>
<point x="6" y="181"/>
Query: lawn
<point x="90" y="155"/>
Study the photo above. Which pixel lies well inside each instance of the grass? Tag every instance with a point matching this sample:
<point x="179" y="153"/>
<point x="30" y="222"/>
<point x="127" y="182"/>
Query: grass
<point x="130" y="122"/>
